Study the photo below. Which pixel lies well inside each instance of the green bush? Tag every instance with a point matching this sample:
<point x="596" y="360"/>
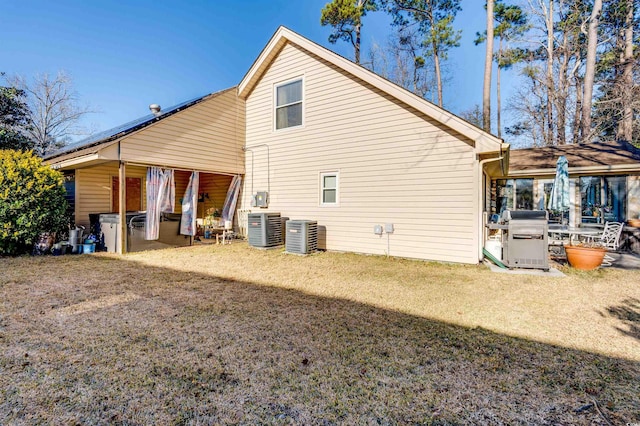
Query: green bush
<point x="31" y="201"/>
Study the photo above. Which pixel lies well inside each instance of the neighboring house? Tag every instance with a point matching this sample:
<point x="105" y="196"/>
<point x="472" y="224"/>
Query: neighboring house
<point x="604" y="181"/>
<point x="329" y="141"/>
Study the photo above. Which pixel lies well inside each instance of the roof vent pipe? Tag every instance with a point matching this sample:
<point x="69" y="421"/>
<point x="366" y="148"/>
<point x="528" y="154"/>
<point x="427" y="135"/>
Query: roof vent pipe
<point x="155" y="109"/>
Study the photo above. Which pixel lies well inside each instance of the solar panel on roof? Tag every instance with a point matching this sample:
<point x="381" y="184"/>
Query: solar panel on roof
<point x="129" y="127"/>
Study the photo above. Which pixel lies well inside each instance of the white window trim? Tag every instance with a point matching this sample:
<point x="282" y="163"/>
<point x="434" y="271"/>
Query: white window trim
<point x="335" y="173"/>
<point x="275" y="105"/>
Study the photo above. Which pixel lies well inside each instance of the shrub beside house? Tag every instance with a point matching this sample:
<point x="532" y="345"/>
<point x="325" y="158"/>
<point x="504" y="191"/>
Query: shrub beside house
<point x="32" y="201"/>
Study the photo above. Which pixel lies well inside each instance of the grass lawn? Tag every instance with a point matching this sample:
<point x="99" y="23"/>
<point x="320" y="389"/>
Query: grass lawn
<point x="234" y="335"/>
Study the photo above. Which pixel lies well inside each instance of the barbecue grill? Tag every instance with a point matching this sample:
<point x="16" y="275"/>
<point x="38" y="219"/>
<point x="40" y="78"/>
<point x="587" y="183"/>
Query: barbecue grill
<point x="525" y="239"/>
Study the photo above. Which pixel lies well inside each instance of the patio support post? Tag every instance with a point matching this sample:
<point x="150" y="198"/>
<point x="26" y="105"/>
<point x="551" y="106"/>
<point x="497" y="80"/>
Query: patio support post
<point x="122" y="196"/>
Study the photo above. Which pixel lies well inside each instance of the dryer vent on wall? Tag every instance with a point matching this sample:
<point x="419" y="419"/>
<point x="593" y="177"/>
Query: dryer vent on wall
<point x="302" y="236"/>
<point x="264" y="229"/>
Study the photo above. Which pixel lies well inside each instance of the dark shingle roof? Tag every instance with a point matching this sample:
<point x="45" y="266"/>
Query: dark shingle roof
<point x="604" y="154"/>
<point x="130" y="127"/>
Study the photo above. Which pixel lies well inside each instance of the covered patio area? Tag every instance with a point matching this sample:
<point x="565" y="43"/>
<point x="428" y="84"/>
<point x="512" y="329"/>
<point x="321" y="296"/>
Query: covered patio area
<point x="107" y="175"/>
<point x="604" y="181"/>
<point x="604" y="186"/>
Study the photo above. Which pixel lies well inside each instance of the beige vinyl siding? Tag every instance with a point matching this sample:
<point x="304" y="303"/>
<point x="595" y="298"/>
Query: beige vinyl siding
<point x="214" y="185"/>
<point x="395" y="165"/>
<point x="93" y="189"/>
<point x="181" y="179"/>
<point x="208" y="137"/>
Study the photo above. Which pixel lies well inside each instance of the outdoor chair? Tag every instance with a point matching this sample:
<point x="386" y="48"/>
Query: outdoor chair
<point x="610" y="239"/>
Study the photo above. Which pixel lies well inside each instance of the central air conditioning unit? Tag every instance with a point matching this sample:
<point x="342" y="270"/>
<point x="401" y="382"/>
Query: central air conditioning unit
<point x="264" y="229"/>
<point x="302" y="236"/>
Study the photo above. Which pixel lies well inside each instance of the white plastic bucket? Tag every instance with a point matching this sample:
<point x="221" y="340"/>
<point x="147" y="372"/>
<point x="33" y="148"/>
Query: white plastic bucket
<point x="494" y="247"/>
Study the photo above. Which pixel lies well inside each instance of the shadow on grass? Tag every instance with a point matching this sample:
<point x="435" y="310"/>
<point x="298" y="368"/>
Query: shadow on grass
<point x="103" y="340"/>
<point x="628" y="312"/>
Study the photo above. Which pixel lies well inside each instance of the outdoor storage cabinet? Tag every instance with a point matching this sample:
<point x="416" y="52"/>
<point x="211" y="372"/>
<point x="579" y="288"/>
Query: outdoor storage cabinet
<point x="110" y="229"/>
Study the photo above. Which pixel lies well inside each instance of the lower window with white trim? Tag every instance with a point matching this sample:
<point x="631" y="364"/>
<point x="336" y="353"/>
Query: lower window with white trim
<point x="329" y="188"/>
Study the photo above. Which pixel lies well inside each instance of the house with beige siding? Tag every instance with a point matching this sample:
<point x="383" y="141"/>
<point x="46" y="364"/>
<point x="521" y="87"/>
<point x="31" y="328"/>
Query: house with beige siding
<point x="327" y="140"/>
<point x="333" y="142"/>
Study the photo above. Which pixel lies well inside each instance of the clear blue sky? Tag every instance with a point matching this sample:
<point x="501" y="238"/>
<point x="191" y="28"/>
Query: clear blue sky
<point x="125" y="55"/>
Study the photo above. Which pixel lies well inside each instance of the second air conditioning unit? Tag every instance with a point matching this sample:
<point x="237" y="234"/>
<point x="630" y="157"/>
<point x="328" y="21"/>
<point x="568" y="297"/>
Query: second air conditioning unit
<point x="264" y="229"/>
<point x="302" y="236"/>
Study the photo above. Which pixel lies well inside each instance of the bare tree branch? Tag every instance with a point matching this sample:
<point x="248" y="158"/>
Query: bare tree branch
<point x="54" y="110"/>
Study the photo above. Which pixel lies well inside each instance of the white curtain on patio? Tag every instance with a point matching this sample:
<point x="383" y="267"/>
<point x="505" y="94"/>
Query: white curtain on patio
<point x="229" y="207"/>
<point x="160" y="198"/>
<point x="190" y="207"/>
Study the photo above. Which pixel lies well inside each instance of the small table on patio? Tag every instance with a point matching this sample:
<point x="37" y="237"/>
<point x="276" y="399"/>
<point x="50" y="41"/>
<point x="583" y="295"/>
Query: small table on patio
<point x="573" y="232"/>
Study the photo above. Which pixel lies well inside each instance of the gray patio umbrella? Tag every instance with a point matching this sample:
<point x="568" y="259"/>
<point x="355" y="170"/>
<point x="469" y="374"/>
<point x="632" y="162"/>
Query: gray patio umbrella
<point x="559" y="198"/>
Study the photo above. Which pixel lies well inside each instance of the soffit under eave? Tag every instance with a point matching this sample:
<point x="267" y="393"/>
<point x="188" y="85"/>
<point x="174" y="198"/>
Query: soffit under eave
<point x="86" y="157"/>
<point x="485" y="143"/>
<point x="496" y="163"/>
<point x="81" y="163"/>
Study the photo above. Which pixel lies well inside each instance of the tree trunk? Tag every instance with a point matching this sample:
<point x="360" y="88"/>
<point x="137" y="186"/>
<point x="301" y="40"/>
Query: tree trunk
<point x="625" y="130"/>
<point x="563" y="92"/>
<point x="590" y="70"/>
<point x="415" y="76"/>
<point x="498" y="102"/>
<point x="577" y="125"/>
<point x="550" y="86"/>
<point x="356" y="44"/>
<point x="436" y="62"/>
<point x="488" y="63"/>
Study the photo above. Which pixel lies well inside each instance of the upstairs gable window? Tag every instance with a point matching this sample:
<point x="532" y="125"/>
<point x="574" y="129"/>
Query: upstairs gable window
<point x="288" y="104"/>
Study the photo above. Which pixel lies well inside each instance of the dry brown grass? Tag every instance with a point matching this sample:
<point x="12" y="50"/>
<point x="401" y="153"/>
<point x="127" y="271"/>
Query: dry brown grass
<point x="228" y="335"/>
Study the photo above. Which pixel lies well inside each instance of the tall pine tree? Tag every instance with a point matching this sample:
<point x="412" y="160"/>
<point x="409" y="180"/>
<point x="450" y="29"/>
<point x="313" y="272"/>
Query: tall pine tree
<point x="433" y="21"/>
<point x="345" y="16"/>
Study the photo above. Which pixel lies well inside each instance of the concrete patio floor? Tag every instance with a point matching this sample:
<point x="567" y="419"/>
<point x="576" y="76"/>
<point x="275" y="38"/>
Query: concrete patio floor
<point x="623" y="260"/>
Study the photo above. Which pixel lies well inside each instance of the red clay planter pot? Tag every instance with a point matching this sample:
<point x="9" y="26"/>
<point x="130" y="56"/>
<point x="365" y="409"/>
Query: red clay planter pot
<point x="585" y="258"/>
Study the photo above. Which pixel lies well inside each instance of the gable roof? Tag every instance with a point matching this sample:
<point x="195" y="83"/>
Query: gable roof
<point x="103" y="138"/>
<point x="485" y="142"/>
<point x="600" y="156"/>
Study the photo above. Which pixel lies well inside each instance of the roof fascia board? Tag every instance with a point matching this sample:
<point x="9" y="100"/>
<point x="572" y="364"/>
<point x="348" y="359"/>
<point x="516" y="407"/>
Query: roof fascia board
<point x="249" y="79"/>
<point x="75" y="161"/>
<point x="484" y="141"/>
<point x="618" y="168"/>
<point x="107" y="153"/>
<point x="94" y="149"/>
